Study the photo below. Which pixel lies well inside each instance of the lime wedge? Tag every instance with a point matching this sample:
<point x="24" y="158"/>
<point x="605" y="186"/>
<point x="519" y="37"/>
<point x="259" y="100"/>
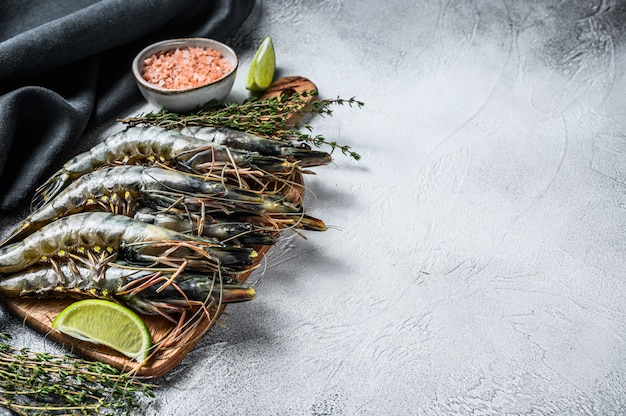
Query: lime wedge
<point x="107" y="323"/>
<point x="262" y="67"/>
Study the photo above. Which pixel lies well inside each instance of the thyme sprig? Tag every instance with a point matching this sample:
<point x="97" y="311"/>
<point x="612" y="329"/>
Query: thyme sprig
<point x="271" y="117"/>
<point x="36" y="383"/>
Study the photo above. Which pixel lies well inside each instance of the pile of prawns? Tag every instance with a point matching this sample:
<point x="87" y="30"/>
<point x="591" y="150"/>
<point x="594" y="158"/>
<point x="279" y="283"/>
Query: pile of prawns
<point x="166" y="222"/>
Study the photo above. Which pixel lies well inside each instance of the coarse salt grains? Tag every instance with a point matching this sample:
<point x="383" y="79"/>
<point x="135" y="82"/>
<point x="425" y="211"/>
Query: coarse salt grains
<point x="184" y="68"/>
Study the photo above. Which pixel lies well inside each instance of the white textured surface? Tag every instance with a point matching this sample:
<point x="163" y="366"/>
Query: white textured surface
<point x="475" y="264"/>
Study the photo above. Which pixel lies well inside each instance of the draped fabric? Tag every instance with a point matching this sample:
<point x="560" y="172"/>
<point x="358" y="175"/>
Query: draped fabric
<point x="65" y="66"/>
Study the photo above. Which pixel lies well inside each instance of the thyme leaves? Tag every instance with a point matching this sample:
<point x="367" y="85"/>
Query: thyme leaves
<point x="271" y="117"/>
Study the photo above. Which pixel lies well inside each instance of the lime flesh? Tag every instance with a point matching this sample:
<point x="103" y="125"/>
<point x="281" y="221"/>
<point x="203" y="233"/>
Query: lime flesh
<point x="106" y="323"/>
<point x="262" y="67"/>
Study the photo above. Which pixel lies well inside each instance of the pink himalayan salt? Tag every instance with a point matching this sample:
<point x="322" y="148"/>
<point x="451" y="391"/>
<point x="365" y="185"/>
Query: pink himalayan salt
<point x="184" y="68"/>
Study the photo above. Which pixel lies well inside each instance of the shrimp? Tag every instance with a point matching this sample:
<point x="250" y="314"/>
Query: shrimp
<point x="225" y="230"/>
<point x="98" y="238"/>
<point x="124" y="189"/>
<point x="151" y="292"/>
<point x="154" y="145"/>
<point x="235" y="139"/>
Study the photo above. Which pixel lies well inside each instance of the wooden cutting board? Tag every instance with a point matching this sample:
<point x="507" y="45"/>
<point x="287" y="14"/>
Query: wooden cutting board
<point x="39" y="314"/>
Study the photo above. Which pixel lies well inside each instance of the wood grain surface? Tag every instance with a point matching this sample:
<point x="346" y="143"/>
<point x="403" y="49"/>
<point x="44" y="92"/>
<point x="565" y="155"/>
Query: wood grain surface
<point x="39" y="313"/>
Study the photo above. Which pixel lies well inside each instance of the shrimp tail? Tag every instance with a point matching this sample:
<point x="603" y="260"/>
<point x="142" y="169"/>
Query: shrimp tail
<point x="19" y="232"/>
<point x="49" y="189"/>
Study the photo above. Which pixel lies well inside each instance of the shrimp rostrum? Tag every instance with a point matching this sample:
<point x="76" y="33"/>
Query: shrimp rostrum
<point x="154" y="145"/>
<point x="98" y="238"/>
<point x="127" y="190"/>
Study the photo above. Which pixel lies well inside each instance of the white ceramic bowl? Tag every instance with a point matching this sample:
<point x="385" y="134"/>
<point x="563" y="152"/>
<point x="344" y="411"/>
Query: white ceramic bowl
<point x="185" y="100"/>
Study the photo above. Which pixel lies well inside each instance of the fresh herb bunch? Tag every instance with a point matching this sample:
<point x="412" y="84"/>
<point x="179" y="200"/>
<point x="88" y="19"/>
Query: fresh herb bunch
<point x="270" y="117"/>
<point x="43" y="384"/>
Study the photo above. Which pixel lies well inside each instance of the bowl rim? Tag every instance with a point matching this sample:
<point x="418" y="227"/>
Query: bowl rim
<point x="172" y="44"/>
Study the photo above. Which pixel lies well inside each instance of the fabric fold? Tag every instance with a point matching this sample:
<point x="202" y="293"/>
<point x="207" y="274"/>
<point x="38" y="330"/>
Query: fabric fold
<point x="65" y="68"/>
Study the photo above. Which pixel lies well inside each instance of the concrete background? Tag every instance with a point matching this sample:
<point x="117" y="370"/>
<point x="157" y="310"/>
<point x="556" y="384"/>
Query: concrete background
<point x="475" y="260"/>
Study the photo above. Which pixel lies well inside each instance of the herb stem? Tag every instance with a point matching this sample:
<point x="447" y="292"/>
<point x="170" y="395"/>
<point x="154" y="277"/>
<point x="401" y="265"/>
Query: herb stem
<point x="40" y="383"/>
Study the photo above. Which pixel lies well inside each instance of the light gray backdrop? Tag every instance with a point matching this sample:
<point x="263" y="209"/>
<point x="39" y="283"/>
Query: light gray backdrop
<point x="475" y="260"/>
